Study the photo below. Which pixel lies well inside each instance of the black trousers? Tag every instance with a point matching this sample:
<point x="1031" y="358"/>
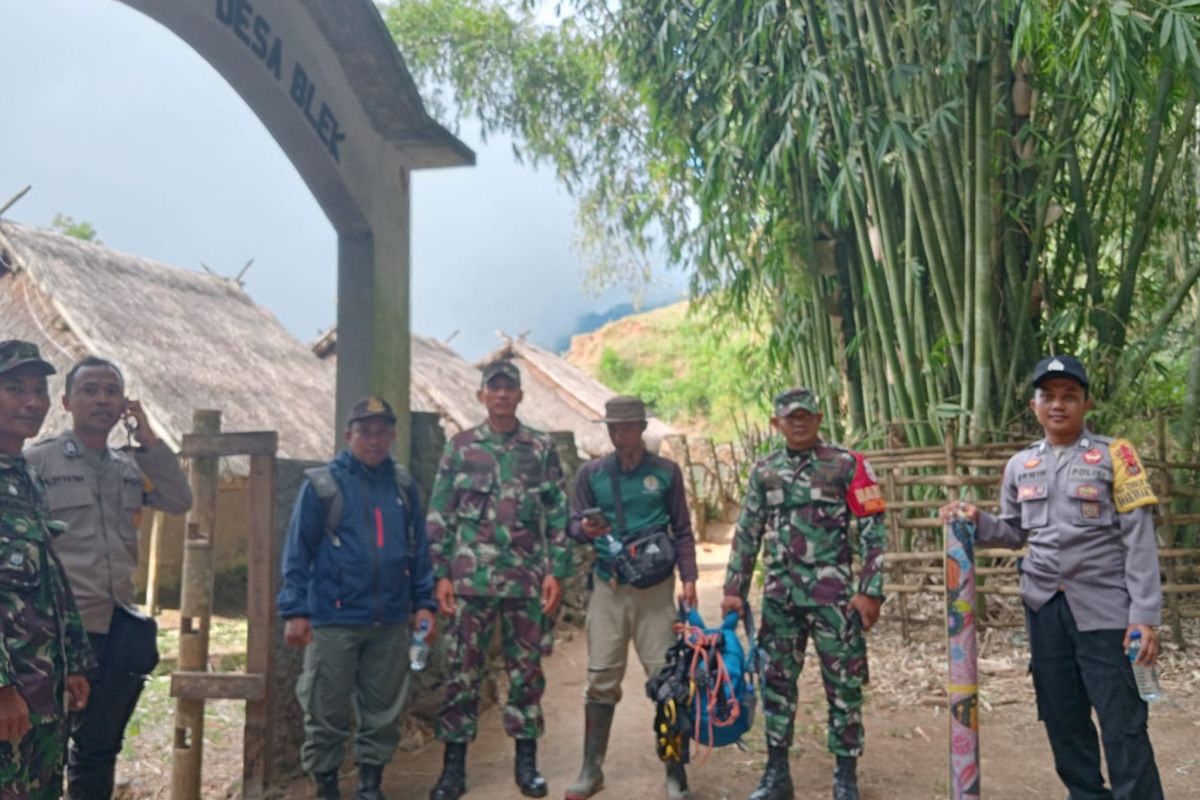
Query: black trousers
<point x="98" y="731"/>
<point x="1073" y="672"/>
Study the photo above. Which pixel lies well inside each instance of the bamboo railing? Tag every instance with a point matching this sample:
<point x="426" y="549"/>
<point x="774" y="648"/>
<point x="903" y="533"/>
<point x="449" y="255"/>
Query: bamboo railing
<point x="917" y="481"/>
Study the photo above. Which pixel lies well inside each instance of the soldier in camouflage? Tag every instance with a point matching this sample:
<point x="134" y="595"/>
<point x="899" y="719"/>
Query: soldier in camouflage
<point x="798" y="507"/>
<point x="497" y="533"/>
<point x="43" y="647"/>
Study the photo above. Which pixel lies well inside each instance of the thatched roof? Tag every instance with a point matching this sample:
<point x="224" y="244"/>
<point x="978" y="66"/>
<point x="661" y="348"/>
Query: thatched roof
<point x="440" y="381"/>
<point x="185" y="340"/>
<point x="566" y="397"/>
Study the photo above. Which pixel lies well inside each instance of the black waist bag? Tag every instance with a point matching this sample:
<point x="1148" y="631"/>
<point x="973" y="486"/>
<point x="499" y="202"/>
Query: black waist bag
<point x="651" y="558"/>
<point x="647" y="558"/>
<point x="132" y="643"/>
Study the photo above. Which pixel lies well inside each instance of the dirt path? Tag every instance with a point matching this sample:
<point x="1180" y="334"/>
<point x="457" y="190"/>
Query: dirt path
<point x="906" y="747"/>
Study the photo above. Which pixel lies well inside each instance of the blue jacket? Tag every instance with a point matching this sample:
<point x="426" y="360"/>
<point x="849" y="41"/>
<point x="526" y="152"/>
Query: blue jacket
<point x="362" y="575"/>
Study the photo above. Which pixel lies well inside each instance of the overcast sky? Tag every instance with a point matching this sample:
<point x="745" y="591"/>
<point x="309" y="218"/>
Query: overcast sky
<point x="115" y="121"/>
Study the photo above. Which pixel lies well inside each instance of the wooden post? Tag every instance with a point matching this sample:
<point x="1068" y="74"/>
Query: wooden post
<point x="195" y="614"/>
<point x="897" y="544"/>
<point x="156" y="527"/>
<point x="679" y="452"/>
<point x="1168" y="530"/>
<point x="262" y="570"/>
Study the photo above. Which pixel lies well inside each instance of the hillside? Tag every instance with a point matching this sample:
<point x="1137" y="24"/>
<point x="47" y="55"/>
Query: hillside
<point x="695" y="378"/>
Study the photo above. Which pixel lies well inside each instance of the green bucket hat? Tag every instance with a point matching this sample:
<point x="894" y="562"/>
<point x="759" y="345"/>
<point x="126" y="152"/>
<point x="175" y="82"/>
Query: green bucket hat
<point x="624" y="408"/>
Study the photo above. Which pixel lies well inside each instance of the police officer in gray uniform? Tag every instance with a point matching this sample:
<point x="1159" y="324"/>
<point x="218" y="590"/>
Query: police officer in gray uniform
<point x="1083" y="504"/>
<point x="99" y="492"/>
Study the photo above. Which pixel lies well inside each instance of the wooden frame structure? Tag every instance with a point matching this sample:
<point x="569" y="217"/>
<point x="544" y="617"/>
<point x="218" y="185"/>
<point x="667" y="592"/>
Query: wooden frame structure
<point x="192" y="684"/>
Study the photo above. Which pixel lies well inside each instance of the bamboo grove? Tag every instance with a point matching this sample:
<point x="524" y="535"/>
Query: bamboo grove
<point x="913" y="199"/>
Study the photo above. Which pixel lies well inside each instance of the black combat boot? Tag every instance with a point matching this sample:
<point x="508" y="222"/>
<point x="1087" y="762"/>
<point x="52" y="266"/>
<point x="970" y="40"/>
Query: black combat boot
<point x="845" y="778"/>
<point x="776" y="782"/>
<point x="529" y="780"/>
<point x="453" y="782"/>
<point x="327" y="785"/>
<point x="370" y="776"/>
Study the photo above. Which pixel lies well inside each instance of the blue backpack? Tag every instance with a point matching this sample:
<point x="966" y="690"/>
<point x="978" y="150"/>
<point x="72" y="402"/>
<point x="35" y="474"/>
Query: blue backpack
<point x="705" y="691"/>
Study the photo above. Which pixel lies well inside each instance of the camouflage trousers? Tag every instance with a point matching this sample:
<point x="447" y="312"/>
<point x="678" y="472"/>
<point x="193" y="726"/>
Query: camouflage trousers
<point x="843" y="655"/>
<point x="33" y="769"/>
<point x="468" y="642"/>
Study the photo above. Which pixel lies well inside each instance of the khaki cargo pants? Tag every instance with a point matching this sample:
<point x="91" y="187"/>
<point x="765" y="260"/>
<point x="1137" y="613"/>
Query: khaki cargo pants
<point x="617" y="615"/>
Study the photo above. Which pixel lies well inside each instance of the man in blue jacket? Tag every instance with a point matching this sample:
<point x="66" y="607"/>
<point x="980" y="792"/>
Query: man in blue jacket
<point x="355" y="568"/>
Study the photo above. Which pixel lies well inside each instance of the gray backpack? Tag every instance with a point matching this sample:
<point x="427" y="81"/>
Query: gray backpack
<point x="330" y="495"/>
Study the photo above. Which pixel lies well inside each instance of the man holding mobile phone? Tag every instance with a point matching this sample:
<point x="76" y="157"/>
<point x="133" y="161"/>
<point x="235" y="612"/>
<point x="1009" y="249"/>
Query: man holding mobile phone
<point x="99" y="492"/>
<point x="620" y="499"/>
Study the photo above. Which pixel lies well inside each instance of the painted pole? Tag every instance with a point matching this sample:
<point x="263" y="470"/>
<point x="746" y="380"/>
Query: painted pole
<point x="962" y="686"/>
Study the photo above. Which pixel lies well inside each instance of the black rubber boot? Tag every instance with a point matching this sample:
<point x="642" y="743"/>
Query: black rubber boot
<point x="327" y="785"/>
<point x="598" y="722"/>
<point x="677" y="788"/>
<point x="453" y="782"/>
<point x="776" y="782"/>
<point x="370" y="778"/>
<point x="529" y="780"/>
<point x="845" y="778"/>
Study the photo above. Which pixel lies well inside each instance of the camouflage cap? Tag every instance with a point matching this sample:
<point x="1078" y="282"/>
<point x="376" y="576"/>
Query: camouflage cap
<point x="501" y="367"/>
<point x="624" y="408"/>
<point x="790" y="400"/>
<point x="370" y="407"/>
<point x="17" y="353"/>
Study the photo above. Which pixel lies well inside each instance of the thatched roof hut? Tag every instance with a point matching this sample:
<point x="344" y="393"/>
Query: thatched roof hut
<point x="185" y="340"/>
<point x="567" y="398"/>
<point x="441" y="382"/>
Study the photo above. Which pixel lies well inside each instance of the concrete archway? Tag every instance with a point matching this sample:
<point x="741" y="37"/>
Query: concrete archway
<point x="330" y="86"/>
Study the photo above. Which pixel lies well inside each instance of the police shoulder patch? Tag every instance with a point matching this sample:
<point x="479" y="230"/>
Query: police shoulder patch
<point x="1130" y="484"/>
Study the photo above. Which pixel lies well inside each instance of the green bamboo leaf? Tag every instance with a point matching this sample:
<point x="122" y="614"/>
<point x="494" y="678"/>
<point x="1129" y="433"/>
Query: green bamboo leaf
<point x="1164" y="33"/>
<point x="1181" y="41"/>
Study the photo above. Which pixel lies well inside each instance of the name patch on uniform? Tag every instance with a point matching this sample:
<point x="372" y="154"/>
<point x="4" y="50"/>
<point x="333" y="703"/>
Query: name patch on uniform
<point x="775" y="497"/>
<point x="55" y="480"/>
<point x="1031" y="491"/>
<point x="1093" y="456"/>
<point x="1090" y="509"/>
<point x="1131" y="489"/>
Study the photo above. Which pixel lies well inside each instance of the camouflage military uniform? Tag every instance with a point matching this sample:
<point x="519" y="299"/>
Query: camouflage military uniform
<point x="42" y="639"/>
<point x="497" y="526"/>
<point x="797" y="509"/>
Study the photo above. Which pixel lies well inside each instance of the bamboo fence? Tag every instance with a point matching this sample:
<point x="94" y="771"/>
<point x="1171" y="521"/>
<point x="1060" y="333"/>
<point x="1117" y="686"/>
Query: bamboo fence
<point x="916" y="481"/>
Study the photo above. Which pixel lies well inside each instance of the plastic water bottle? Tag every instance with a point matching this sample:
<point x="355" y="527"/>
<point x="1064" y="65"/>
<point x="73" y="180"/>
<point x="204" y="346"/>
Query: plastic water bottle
<point x="418" y="651"/>
<point x="1145" y="677"/>
<point x="611" y="546"/>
